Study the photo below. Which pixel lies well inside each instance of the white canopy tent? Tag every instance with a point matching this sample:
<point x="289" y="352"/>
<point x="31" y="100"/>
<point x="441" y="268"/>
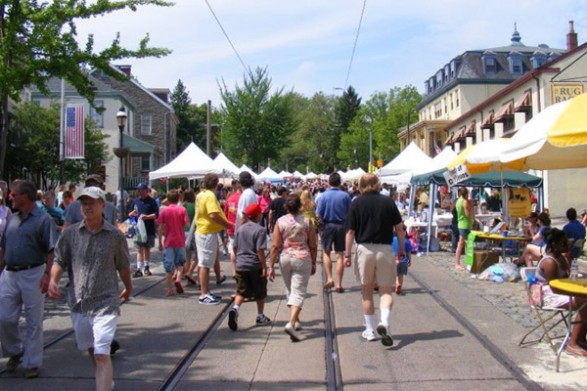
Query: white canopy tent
<point x="438" y="162"/>
<point x="311" y="176"/>
<point x="269" y="175"/>
<point x="410" y="159"/>
<point x="284" y="174"/>
<point x="225" y="164"/>
<point x="299" y="175"/>
<point x="192" y="162"/>
<point x="246" y="168"/>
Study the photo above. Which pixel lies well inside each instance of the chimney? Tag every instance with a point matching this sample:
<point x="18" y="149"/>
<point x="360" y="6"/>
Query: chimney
<point x="126" y="68"/>
<point x="571" y="37"/>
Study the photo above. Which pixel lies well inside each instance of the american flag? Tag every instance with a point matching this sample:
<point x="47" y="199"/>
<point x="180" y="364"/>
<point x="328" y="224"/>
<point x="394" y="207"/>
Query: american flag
<point x="74" y="132"/>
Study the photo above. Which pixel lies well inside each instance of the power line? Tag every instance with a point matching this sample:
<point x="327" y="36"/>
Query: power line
<point x="226" y="35"/>
<point x="355" y="45"/>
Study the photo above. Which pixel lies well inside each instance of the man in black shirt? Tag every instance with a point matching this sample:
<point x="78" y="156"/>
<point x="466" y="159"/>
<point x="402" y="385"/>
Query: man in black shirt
<point x="145" y="208"/>
<point x="276" y="208"/>
<point x="371" y="221"/>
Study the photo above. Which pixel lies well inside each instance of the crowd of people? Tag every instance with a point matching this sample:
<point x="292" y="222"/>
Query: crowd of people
<point x="257" y="226"/>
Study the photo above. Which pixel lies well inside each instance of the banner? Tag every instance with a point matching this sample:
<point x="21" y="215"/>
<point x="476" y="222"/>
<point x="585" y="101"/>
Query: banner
<point x="74" y="132"/>
<point x="519" y="202"/>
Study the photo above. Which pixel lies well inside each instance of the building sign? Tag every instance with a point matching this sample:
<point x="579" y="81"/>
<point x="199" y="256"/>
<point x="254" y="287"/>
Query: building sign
<point x="562" y="92"/>
<point x="456" y="175"/>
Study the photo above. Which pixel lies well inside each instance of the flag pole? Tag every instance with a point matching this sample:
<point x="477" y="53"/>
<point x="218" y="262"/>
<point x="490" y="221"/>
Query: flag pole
<point x="61" y="131"/>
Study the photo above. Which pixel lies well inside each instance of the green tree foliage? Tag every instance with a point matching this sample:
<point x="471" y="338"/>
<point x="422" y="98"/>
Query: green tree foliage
<point x="315" y="118"/>
<point x="191" y="118"/>
<point x="38" y="40"/>
<point x="257" y="123"/>
<point x="384" y="114"/>
<point x="34" y="146"/>
<point x="347" y="107"/>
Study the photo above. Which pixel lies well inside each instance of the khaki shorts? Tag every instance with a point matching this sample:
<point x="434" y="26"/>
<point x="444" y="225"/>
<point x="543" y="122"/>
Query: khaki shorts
<point x="207" y="245"/>
<point x="375" y="263"/>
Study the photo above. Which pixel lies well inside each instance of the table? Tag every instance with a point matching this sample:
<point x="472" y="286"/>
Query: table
<point x="488" y="236"/>
<point x="573" y="288"/>
<point x="411" y="224"/>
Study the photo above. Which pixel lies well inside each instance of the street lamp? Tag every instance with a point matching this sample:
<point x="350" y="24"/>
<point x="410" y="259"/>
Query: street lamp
<point x="121" y="152"/>
<point x="371" y="168"/>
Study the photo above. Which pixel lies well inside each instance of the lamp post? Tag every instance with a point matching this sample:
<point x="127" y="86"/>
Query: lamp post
<point x="121" y="152"/>
<point x="371" y="168"/>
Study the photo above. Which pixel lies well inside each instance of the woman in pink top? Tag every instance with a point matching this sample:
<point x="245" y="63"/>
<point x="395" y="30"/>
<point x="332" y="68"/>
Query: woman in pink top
<point x="264" y="200"/>
<point x="295" y="238"/>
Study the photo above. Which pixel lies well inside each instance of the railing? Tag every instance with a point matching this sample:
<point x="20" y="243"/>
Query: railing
<point x="131" y="182"/>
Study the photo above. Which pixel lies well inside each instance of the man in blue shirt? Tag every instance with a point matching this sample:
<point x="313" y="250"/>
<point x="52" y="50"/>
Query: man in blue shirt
<point x="574" y="230"/>
<point x="333" y="207"/>
<point x="26" y="256"/>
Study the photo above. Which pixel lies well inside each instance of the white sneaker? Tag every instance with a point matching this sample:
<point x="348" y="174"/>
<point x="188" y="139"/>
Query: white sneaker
<point x="289" y="329"/>
<point x="297" y="326"/>
<point x="369" y="335"/>
<point x="383" y="331"/>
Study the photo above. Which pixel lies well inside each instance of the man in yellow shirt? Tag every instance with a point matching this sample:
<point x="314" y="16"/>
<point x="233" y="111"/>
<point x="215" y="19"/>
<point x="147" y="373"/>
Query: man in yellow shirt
<point x="210" y="220"/>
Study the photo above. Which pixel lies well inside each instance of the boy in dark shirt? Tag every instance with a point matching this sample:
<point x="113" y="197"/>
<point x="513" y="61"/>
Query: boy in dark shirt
<point x="249" y="265"/>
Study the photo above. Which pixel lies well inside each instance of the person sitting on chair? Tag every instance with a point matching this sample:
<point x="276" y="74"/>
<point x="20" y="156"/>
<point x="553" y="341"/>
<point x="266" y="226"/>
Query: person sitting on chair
<point x="555" y="265"/>
<point x="574" y="231"/>
<point x="533" y="250"/>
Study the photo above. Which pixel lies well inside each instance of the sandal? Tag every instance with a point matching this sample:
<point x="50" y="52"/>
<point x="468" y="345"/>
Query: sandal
<point x="339" y="290"/>
<point x="459" y="268"/>
<point x="329" y="285"/>
<point x="576" y="351"/>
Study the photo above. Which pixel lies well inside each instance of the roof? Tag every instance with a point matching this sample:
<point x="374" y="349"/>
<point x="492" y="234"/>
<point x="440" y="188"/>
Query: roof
<point x="470" y="67"/>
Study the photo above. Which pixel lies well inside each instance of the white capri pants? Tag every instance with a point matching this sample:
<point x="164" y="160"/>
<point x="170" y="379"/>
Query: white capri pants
<point x="296" y="275"/>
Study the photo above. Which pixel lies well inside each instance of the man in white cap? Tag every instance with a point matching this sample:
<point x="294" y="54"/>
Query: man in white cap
<point x="93" y="252"/>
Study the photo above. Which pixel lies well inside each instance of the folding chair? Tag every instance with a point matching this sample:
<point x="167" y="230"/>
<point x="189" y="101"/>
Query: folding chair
<point x="548" y="318"/>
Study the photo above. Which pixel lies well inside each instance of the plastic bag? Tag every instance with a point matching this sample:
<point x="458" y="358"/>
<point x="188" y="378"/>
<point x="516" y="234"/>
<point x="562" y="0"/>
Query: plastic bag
<point x="501" y="272"/>
<point x="141" y="232"/>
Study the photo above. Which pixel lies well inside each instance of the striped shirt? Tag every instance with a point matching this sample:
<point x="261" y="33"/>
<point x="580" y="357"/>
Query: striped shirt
<point x="92" y="261"/>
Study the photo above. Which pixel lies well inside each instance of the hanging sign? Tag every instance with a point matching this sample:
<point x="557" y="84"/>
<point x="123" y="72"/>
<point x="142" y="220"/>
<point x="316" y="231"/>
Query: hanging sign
<point x="456" y="175"/>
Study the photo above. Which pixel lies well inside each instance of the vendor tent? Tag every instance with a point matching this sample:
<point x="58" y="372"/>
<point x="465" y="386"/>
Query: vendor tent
<point x="438" y="162"/>
<point x="489" y="179"/>
<point x="269" y="175"/>
<point x="246" y="168"/>
<point x="555" y="138"/>
<point x="311" y="176"/>
<point x="192" y="162"/>
<point x="226" y="165"/>
<point x="410" y="159"/>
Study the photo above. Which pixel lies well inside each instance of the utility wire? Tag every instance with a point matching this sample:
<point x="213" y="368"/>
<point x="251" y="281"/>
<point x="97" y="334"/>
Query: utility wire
<point x="348" y="74"/>
<point x="227" y="38"/>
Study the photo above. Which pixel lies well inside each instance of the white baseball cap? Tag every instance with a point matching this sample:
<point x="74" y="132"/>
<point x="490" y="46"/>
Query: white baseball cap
<point x="93" y="192"/>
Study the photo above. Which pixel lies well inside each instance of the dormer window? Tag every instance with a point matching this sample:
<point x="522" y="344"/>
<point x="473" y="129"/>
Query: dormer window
<point x="516" y="64"/>
<point x="538" y="59"/>
<point x="453" y="68"/>
<point x="489" y="63"/>
<point x="446" y="73"/>
<point x="439" y="78"/>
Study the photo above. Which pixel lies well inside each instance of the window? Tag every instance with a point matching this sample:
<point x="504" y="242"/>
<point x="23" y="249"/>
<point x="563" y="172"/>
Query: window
<point x="489" y="63"/>
<point x="439" y="78"/>
<point x="538" y="60"/>
<point x="437" y="110"/>
<point x="453" y="68"/>
<point x="145" y="163"/>
<point x="97" y="115"/>
<point x="516" y="64"/>
<point x="146" y="124"/>
<point x="446" y="73"/>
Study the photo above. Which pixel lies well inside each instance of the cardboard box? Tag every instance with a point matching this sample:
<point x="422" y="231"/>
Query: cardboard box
<point x="482" y="260"/>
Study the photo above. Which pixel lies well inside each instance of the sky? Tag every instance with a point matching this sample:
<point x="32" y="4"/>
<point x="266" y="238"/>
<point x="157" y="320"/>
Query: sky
<point x="307" y="45"/>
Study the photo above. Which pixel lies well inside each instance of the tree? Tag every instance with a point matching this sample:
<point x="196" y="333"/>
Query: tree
<point x="383" y="114"/>
<point x="315" y="118"/>
<point x="191" y="118"/>
<point x="38" y="41"/>
<point x="345" y="111"/>
<point x="257" y="123"/>
<point x="34" y="140"/>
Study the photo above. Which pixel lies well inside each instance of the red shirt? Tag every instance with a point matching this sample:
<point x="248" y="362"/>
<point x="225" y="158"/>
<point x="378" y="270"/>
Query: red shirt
<point x="230" y="208"/>
<point x="175" y="218"/>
